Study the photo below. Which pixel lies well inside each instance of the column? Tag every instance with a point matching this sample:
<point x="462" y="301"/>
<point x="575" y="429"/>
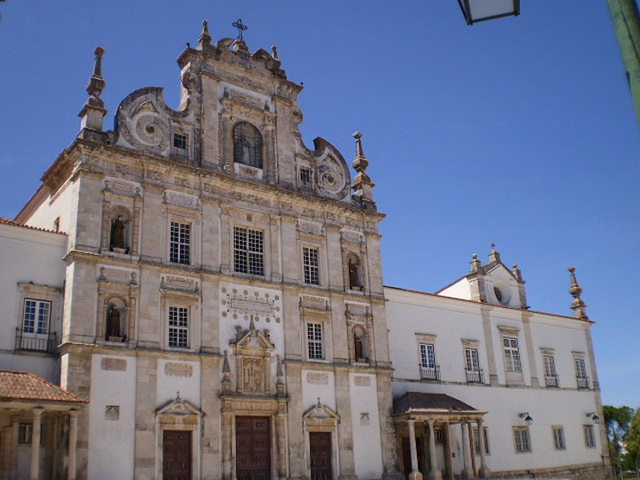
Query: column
<point x="434" y="473"/>
<point x="484" y="471"/>
<point x="35" y="442"/>
<point x="465" y="450"/>
<point x="227" y="438"/>
<point x="415" y="473"/>
<point x="73" y="439"/>
<point x="448" y="459"/>
<point x="472" y="449"/>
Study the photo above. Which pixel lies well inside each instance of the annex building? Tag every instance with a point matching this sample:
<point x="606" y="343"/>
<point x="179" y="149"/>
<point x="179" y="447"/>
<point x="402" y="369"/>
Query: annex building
<point x="202" y="297"/>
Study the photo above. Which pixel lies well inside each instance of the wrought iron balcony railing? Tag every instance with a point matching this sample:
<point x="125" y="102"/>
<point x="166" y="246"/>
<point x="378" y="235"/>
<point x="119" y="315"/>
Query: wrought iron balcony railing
<point x="552" y="381"/>
<point x="583" y="383"/>
<point x="35" y="342"/>
<point x="475" y="376"/>
<point x="430" y="373"/>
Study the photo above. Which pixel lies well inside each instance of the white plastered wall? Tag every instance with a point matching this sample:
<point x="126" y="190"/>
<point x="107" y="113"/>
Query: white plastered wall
<point x="365" y="422"/>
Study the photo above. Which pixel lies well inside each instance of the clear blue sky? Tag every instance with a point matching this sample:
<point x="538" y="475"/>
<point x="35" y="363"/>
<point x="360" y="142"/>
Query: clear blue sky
<point x="519" y="131"/>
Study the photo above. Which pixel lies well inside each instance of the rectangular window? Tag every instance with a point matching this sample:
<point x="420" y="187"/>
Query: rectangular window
<point x="558" y="438"/>
<point x="581" y="373"/>
<point x="179" y="327"/>
<point x="311" y="267"/>
<point x="476" y="440"/>
<point x="25" y="432"/>
<point x="248" y="251"/>
<point x="305" y="176"/>
<point x="427" y="355"/>
<point x="511" y="354"/>
<point x="179" y="243"/>
<point x="589" y="436"/>
<point x="37" y="314"/>
<point x="314" y="341"/>
<point x="550" y="376"/>
<point x="472" y="362"/>
<point x="180" y="142"/>
<point x="521" y="436"/>
<point x="439" y="435"/>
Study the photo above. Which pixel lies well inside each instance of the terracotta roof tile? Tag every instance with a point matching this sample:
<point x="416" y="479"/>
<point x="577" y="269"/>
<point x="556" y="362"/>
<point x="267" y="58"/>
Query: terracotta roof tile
<point x="429" y="401"/>
<point x="15" y="385"/>
<point x="6" y="221"/>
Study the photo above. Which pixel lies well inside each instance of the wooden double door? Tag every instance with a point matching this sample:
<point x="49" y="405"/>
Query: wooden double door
<point x="320" y="455"/>
<point x="253" y="448"/>
<point x="176" y="455"/>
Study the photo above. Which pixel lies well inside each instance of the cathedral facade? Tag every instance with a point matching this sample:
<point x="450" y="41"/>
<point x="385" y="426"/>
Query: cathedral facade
<point x="221" y="305"/>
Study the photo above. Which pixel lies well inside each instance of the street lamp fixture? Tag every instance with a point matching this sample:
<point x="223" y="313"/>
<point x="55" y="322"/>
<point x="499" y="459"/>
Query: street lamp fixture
<point x="593" y="417"/>
<point x="528" y="419"/>
<point x="481" y="10"/>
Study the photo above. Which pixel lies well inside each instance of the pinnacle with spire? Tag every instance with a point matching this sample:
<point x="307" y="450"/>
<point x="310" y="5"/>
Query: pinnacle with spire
<point x="362" y="185"/>
<point x="578" y="306"/>
<point x="93" y="110"/>
<point x="205" y="37"/>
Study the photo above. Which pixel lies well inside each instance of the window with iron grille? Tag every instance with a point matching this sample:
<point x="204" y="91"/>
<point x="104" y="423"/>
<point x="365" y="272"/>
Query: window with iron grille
<point x="511" y="354"/>
<point x="36" y="317"/>
<point x="180" y="243"/>
<point x="311" y="267"/>
<point x="315" y="347"/>
<point x="558" y="438"/>
<point x="305" y="176"/>
<point x="476" y="440"/>
<point x="179" y="327"/>
<point x="589" y="436"/>
<point x="522" y="441"/>
<point x="248" y="251"/>
<point x="550" y="375"/>
<point x="180" y="142"/>
<point x="427" y="355"/>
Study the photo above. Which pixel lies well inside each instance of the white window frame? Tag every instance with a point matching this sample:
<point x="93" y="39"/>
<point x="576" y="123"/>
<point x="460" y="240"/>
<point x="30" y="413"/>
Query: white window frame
<point x="314" y="334"/>
<point x="40" y="325"/>
<point x="428" y="355"/>
<point x="471" y="359"/>
<point x="589" y="436"/>
<point x="311" y="265"/>
<point x="522" y="440"/>
<point x="182" y="247"/>
<point x="549" y="363"/>
<point x="251" y="253"/>
<point x="512" y="359"/>
<point x="558" y="438"/>
<point x="181" y="330"/>
<point x="476" y="441"/>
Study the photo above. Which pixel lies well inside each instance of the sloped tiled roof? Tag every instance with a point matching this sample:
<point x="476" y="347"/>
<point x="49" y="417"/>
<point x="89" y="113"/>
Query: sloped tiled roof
<point x="429" y="401"/>
<point x="15" y="385"/>
<point x="6" y="221"/>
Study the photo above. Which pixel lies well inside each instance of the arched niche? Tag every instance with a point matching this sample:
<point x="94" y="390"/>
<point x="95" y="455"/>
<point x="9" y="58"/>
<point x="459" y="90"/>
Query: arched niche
<point x="120" y="226"/>
<point x="247" y="145"/>
<point x="115" y="315"/>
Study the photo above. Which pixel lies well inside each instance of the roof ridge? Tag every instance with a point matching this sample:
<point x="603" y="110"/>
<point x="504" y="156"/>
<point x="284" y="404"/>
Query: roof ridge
<point x="6" y="221"/>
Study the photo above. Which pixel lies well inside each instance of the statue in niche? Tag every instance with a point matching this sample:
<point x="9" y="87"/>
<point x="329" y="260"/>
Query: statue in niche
<point x="354" y="274"/>
<point x="113" y="322"/>
<point x="358" y="347"/>
<point x="118" y="230"/>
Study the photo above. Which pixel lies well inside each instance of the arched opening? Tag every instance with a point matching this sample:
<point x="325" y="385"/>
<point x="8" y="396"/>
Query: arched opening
<point x="120" y="223"/>
<point x="360" y="353"/>
<point x="355" y="272"/>
<point x="247" y="145"/>
<point x="116" y="318"/>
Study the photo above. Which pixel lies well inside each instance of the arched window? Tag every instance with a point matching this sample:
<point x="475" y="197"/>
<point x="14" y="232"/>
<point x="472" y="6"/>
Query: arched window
<point x="355" y="282"/>
<point x="247" y="145"/>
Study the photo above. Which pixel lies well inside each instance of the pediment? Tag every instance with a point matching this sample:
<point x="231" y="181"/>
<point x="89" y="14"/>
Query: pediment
<point x="321" y="412"/>
<point x="179" y="407"/>
<point x="255" y="340"/>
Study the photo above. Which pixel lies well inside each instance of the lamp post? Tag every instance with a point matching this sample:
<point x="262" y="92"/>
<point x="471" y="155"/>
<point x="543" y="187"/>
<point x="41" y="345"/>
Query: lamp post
<point x="481" y="10"/>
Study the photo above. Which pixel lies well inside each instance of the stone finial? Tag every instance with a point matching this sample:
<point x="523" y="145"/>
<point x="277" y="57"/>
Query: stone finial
<point x="205" y="37"/>
<point x="516" y="272"/>
<point x="494" y="255"/>
<point x="362" y="185"/>
<point x="226" y="374"/>
<point x="225" y="365"/>
<point x="93" y="110"/>
<point x="578" y="306"/>
<point x="274" y="51"/>
<point x="475" y="263"/>
<point x="252" y="324"/>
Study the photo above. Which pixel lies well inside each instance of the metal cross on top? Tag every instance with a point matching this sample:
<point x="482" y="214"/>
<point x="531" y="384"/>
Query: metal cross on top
<point x="241" y="28"/>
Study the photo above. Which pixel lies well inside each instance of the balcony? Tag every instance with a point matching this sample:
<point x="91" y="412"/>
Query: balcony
<point x="552" y="381"/>
<point x="431" y="374"/>
<point x="583" y="383"/>
<point x="31" y="342"/>
<point x="474" y="376"/>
